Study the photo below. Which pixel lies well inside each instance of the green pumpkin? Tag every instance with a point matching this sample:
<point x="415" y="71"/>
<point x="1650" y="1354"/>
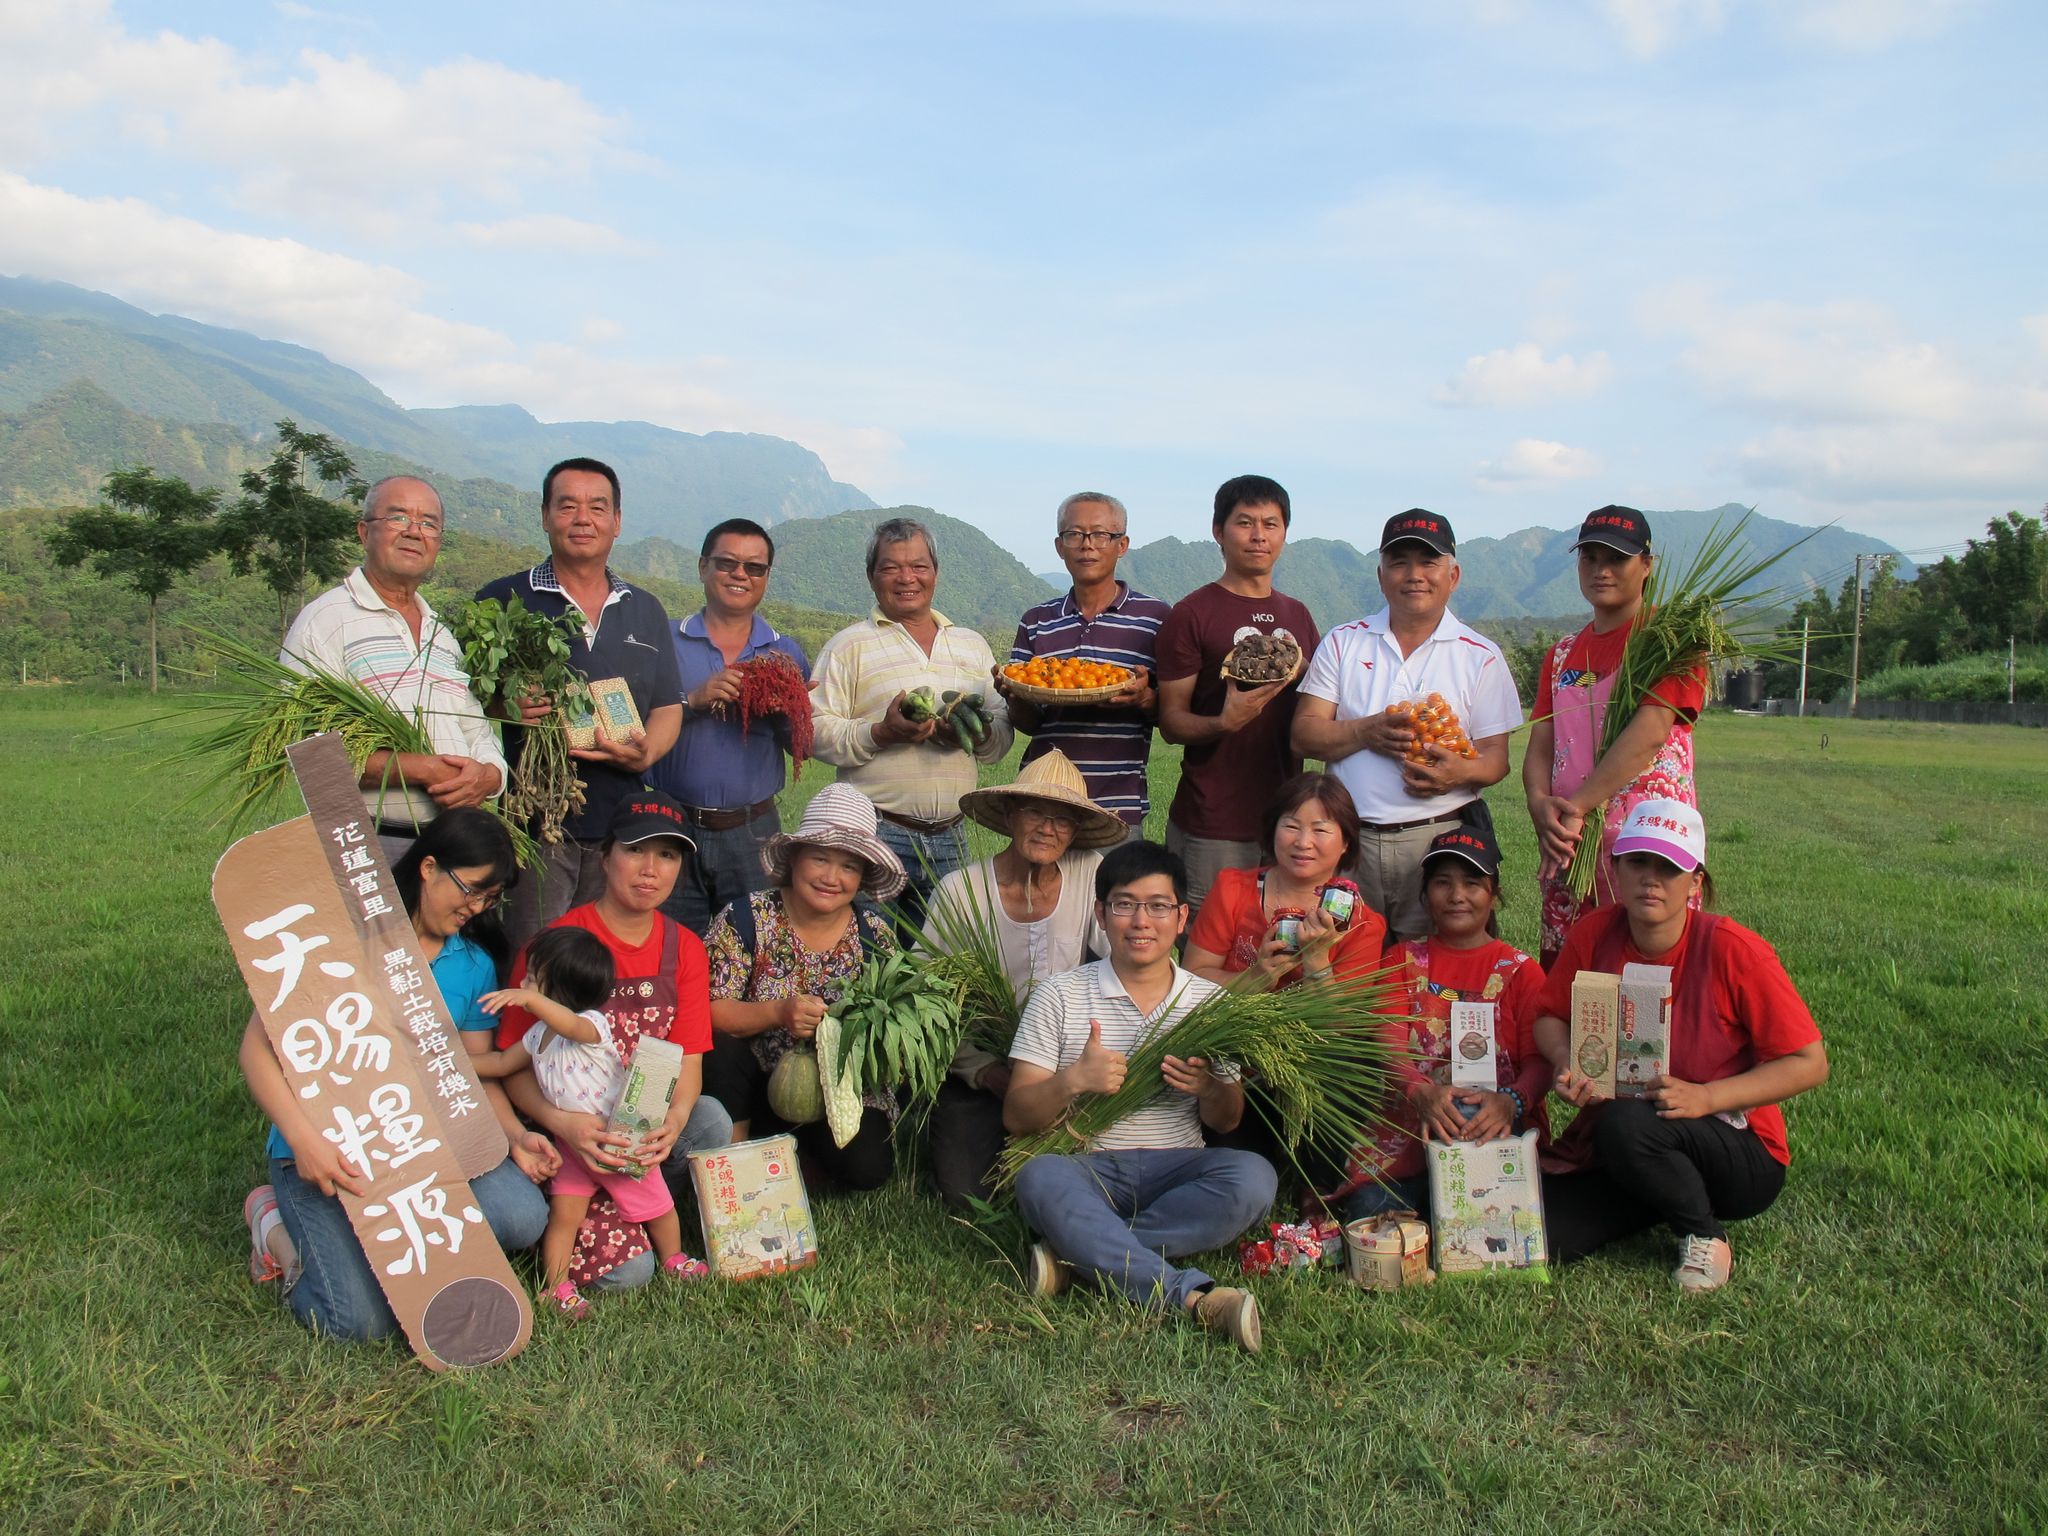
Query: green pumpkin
<point x="795" y="1091"/>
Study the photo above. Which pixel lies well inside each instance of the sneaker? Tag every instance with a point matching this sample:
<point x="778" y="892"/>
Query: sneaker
<point x="680" y="1266"/>
<point x="259" y="1214"/>
<point x="1703" y="1264"/>
<point x="1231" y="1312"/>
<point x="1046" y="1274"/>
<point x="567" y="1303"/>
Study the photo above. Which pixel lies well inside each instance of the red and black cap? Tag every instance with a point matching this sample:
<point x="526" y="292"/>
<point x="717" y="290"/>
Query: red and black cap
<point x="1470" y="844"/>
<point x="648" y="813"/>
<point x="1622" y="528"/>
<point x="1420" y="527"/>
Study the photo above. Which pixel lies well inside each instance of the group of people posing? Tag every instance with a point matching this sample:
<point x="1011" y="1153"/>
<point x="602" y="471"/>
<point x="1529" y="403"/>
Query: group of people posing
<point x="677" y="906"/>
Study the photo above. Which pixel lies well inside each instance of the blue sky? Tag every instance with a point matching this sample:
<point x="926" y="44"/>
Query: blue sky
<point x="1506" y="259"/>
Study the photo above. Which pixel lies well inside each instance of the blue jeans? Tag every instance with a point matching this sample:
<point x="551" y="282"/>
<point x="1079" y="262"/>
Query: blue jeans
<point x="709" y="1127"/>
<point x="337" y="1291"/>
<point x="1118" y="1216"/>
<point x="942" y="853"/>
<point x="725" y="868"/>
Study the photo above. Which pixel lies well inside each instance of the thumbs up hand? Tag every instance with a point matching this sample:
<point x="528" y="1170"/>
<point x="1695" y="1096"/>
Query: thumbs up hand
<point x="1098" y="1069"/>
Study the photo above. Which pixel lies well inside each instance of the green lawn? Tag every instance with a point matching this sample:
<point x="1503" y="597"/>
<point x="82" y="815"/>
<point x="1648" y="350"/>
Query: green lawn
<point x="1878" y="1365"/>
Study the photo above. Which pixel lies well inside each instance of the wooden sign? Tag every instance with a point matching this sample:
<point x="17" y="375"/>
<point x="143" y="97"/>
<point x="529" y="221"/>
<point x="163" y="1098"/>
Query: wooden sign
<point x="366" y="1043"/>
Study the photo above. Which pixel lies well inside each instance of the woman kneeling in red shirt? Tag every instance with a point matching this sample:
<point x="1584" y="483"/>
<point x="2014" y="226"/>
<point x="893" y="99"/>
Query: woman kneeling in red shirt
<point x="1706" y="1144"/>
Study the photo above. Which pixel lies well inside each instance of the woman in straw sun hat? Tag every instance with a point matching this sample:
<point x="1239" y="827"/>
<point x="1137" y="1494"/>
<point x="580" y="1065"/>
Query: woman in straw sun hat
<point x="781" y="957"/>
<point x="1036" y="900"/>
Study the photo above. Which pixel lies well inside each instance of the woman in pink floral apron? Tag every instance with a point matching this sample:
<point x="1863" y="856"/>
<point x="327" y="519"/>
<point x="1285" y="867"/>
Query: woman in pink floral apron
<point x="662" y="989"/>
<point x="1563" y="772"/>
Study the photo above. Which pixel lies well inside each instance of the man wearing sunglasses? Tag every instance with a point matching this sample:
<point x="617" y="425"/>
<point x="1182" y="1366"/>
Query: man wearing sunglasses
<point x="377" y="628"/>
<point x="724" y="777"/>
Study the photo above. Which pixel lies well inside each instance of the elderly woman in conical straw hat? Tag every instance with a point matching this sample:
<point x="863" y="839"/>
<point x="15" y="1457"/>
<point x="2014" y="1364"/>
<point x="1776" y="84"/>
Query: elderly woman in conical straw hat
<point x="1035" y="899"/>
<point x="780" y="959"/>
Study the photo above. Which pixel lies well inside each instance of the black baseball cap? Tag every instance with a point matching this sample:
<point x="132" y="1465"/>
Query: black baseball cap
<point x="648" y="813"/>
<point x="1470" y="844"/>
<point x="1622" y="528"/>
<point x="1421" y="527"/>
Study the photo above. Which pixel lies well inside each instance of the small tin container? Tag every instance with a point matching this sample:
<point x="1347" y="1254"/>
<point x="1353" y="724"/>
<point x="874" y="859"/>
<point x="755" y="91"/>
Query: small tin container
<point x="1287" y="926"/>
<point x="1340" y="900"/>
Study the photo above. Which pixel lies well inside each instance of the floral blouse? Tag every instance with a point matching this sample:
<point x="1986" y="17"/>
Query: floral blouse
<point x="782" y="965"/>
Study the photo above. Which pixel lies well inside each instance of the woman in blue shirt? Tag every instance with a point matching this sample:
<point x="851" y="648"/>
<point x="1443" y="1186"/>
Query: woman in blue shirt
<point x="451" y="880"/>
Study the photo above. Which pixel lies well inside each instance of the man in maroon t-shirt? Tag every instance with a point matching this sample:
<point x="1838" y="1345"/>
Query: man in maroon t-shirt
<point x="1237" y="752"/>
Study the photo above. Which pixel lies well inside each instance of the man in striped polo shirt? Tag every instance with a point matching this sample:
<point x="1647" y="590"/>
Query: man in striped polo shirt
<point x="377" y="629"/>
<point x="1148" y="1188"/>
<point x="1101" y="619"/>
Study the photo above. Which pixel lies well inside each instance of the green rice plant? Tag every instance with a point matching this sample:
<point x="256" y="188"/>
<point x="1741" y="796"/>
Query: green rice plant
<point x="960" y="935"/>
<point x="1320" y="1050"/>
<point x="1691" y="618"/>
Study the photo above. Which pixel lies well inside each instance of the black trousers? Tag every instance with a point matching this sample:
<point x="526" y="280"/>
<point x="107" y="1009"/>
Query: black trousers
<point x="1688" y="1175"/>
<point x="739" y="1082"/>
<point x="967" y="1138"/>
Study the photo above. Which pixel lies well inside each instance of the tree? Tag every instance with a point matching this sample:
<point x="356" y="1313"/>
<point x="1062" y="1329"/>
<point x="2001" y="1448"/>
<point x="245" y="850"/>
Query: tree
<point x="157" y="529"/>
<point x="283" y="529"/>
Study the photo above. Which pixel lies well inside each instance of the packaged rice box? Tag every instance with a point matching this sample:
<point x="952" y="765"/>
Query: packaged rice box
<point x="1596" y="1027"/>
<point x="1643" y="1043"/>
<point x="1474" y="1063"/>
<point x="757" y="1218"/>
<point x="1486" y="1208"/>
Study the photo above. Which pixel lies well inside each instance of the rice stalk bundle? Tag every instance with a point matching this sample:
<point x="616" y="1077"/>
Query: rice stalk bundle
<point x="960" y="936"/>
<point x="1320" y="1050"/>
<point x="1691" y="618"/>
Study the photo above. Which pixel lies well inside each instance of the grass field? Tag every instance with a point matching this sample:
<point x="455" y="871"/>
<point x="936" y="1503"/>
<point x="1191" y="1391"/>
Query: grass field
<point x="1880" y="1364"/>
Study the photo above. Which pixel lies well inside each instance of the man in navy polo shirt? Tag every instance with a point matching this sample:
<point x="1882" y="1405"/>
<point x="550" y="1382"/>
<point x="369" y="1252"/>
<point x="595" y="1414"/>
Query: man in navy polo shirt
<point x="726" y="778"/>
<point x="626" y="635"/>
<point x="1102" y="619"/>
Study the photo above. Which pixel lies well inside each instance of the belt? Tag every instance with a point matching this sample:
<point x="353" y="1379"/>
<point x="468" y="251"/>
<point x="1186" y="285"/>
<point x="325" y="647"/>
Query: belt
<point x="1409" y="826"/>
<point x="920" y="826"/>
<point x="725" y="821"/>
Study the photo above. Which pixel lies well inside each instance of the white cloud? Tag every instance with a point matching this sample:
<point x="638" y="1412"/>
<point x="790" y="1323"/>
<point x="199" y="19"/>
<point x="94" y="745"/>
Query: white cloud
<point x="1533" y="460"/>
<point x="597" y="330"/>
<point x="1870" y="24"/>
<point x="552" y="231"/>
<point x="1651" y="26"/>
<point x="2036" y="326"/>
<point x="1522" y="375"/>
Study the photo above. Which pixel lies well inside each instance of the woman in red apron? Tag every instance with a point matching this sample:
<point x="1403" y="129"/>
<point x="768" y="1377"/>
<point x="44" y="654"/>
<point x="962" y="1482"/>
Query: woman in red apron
<point x="1705" y="1144"/>
<point x="1563" y="771"/>
<point x="662" y="988"/>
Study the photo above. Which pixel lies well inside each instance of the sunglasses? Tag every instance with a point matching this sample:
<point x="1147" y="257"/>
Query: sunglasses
<point x="728" y="565"/>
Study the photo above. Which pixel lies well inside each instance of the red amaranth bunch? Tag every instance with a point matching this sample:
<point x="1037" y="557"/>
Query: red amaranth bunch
<point x="771" y="685"/>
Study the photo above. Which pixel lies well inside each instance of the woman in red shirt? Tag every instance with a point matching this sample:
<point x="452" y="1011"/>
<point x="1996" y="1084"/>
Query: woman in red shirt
<point x="1564" y="772"/>
<point x="1706" y="1145"/>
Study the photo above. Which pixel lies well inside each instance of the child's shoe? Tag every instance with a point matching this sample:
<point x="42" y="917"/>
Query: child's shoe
<point x="259" y="1213"/>
<point x="680" y="1266"/>
<point x="567" y="1302"/>
<point x="1704" y="1264"/>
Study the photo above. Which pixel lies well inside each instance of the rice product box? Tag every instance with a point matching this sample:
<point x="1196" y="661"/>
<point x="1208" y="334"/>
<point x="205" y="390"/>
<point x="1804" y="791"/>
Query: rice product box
<point x="1388" y="1252"/>
<point x="1473" y="1058"/>
<point x="1596" y="1027"/>
<point x="611" y="712"/>
<point x="1642" y="1045"/>
<point x="756" y="1215"/>
<point x="1486" y="1208"/>
<point x="649" y="1089"/>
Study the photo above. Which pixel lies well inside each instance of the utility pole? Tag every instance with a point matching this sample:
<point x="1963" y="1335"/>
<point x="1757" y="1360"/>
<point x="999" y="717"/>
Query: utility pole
<point x="1856" y="644"/>
<point x="1805" y="634"/>
<point x="2012" y="676"/>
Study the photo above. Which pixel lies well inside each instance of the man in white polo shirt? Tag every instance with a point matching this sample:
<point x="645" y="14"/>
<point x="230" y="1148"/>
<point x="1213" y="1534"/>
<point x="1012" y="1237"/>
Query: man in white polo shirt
<point x="1410" y="649"/>
<point x="1147" y="1188"/>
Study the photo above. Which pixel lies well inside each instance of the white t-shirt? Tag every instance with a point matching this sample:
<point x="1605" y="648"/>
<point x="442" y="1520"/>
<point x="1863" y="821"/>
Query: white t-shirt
<point x="583" y="1078"/>
<point x="1359" y="668"/>
<point x="1054" y="1031"/>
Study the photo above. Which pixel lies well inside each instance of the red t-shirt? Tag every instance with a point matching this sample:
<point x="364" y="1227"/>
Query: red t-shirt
<point x="1757" y="1014"/>
<point x="1232" y="923"/>
<point x="1594" y="656"/>
<point x="1225" y="784"/>
<point x="630" y="962"/>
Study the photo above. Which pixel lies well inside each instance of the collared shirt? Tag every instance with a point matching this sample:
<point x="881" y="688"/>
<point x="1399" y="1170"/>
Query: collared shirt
<point x="1054" y="1030"/>
<point x="1109" y="746"/>
<point x="715" y="765"/>
<point x="866" y="665"/>
<point x="627" y="638"/>
<point x="1359" y="667"/>
<point x="350" y="631"/>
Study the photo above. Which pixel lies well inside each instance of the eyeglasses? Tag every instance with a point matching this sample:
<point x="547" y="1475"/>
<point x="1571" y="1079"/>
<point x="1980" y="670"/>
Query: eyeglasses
<point x="1127" y="906"/>
<point x="470" y="893"/>
<point x="1046" y="816"/>
<point x="1077" y="538"/>
<point x="727" y="565"/>
<point x="399" y="522"/>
